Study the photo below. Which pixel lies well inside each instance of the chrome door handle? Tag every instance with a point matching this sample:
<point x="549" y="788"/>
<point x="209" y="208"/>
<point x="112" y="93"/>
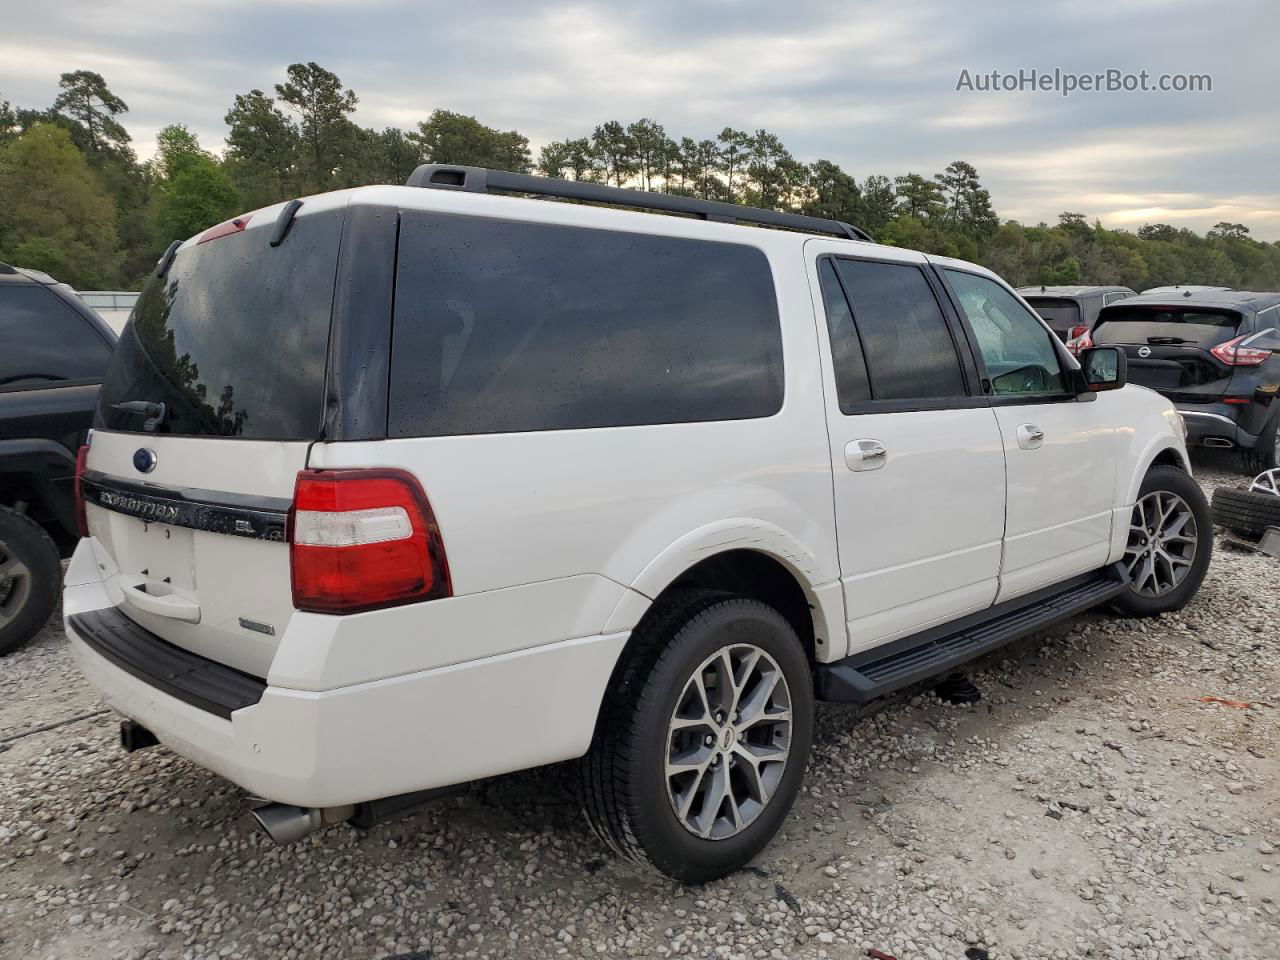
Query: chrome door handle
<point x="1030" y="437"/>
<point x="865" y="455"/>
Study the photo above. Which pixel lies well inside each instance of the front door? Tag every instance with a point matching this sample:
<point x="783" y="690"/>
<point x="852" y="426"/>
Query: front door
<point x="1060" y="449"/>
<point x="916" y="456"/>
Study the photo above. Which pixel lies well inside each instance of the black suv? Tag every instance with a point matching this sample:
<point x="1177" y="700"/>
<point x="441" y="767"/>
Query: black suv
<point x="1215" y="354"/>
<point x="55" y="352"/>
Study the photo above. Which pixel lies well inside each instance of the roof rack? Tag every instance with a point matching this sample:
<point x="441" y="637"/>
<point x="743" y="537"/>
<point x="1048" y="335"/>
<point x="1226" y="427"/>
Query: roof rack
<point x="443" y="176"/>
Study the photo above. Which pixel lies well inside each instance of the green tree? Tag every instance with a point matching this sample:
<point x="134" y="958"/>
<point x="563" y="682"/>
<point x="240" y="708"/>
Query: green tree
<point x="263" y="150"/>
<point x="198" y="197"/>
<point x="832" y="194"/>
<point x="878" y="202"/>
<point x="194" y="192"/>
<point x="968" y="203"/>
<point x="86" y="99"/>
<point x="447" y="137"/>
<point x="918" y="198"/>
<point x="56" y="216"/>
<point x="323" y="109"/>
<point x="773" y="175"/>
<point x="614" y="152"/>
<point x="649" y="146"/>
<point x="735" y="145"/>
<point x="9" y="128"/>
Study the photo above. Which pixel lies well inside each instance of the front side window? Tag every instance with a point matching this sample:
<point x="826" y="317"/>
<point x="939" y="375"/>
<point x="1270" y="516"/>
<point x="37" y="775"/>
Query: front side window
<point x="910" y="354"/>
<point x="502" y="326"/>
<point x="1016" y="348"/>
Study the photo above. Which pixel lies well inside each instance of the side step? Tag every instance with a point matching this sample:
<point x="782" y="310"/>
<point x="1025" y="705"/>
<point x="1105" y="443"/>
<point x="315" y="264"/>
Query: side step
<point x="881" y="670"/>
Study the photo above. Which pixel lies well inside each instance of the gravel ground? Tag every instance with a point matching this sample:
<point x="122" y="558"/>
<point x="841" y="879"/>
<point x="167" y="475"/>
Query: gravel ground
<point x="1091" y="805"/>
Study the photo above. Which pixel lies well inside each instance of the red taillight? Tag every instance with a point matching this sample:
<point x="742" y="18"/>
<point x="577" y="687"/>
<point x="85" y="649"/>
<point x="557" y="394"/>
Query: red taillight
<point x="1234" y="355"/>
<point x="82" y="520"/>
<point x="1082" y="342"/>
<point x="1079" y="330"/>
<point x="363" y="539"/>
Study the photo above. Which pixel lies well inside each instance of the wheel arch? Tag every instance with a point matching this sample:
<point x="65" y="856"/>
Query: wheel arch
<point x="751" y="558"/>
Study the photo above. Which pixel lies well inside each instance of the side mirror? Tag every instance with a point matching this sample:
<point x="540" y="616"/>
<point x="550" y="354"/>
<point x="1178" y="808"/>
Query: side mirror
<point x="1104" y="368"/>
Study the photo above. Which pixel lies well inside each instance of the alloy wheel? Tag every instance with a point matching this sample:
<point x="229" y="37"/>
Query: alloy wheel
<point x="1162" y="543"/>
<point x="728" y="741"/>
<point x="15" y="584"/>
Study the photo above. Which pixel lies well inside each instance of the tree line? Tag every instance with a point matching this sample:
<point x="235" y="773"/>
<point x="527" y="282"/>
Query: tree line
<point x="76" y="201"/>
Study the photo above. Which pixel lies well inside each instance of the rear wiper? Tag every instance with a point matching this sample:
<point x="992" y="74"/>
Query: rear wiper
<point x="154" y="412"/>
<point x="1168" y="340"/>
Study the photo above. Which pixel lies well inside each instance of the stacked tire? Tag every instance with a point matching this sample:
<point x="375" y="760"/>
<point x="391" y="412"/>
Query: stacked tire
<point x="1245" y="512"/>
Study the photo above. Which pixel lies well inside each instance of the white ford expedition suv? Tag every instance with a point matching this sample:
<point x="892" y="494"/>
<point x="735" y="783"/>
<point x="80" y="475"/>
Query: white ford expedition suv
<point x="399" y="487"/>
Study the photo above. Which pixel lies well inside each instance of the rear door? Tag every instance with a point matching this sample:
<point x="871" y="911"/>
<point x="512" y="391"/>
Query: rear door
<point x="915" y="450"/>
<point x="215" y="391"/>
<point x="1060" y="451"/>
<point x="1170" y="349"/>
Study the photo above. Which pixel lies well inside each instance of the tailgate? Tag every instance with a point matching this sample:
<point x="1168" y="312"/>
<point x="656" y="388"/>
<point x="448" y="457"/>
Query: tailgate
<point x="215" y="391"/>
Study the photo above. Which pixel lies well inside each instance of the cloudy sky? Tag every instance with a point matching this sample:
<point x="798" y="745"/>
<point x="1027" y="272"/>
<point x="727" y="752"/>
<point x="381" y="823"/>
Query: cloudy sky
<point x="867" y="83"/>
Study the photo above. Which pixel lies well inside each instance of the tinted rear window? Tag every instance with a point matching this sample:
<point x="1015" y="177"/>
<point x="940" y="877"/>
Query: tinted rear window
<point x="1058" y="313"/>
<point x="503" y="326"/>
<point x="909" y="351"/>
<point x="1200" y="328"/>
<point x="233" y="339"/>
<point x="45" y="341"/>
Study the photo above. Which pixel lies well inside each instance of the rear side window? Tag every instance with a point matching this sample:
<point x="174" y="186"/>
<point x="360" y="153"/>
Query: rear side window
<point x="233" y="339"/>
<point x="1058" y="312"/>
<point x="909" y="352"/>
<point x="852" y="385"/>
<point x="503" y="326"/>
<point x="45" y="341"/>
<point x="1198" y="328"/>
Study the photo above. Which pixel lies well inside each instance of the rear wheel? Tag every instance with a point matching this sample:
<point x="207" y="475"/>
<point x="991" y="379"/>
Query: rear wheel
<point x="1169" y="546"/>
<point x="703" y="740"/>
<point x="30" y="575"/>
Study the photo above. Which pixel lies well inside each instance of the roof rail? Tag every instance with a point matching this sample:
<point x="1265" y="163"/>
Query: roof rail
<point x="444" y="176"/>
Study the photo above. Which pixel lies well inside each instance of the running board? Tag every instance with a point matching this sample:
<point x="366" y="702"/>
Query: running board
<point x="883" y="669"/>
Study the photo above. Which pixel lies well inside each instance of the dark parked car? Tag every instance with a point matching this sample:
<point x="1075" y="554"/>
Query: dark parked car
<point x="1070" y="311"/>
<point x="1215" y="354"/>
<point x="55" y="353"/>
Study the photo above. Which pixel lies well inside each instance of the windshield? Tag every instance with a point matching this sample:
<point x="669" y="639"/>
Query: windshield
<point x="1162" y="325"/>
<point x="233" y="339"/>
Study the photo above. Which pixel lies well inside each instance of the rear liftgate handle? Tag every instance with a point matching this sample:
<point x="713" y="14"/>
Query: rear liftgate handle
<point x="862" y="455"/>
<point x="159" y="599"/>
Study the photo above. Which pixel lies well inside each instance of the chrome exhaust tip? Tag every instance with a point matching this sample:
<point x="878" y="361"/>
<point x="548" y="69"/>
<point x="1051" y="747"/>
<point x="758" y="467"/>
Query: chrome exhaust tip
<point x="285" y="823"/>
<point x="1217" y="442"/>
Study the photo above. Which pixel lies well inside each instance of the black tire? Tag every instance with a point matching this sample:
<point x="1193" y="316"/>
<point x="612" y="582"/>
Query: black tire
<point x="26" y="601"/>
<point x="625" y="789"/>
<point x="1175" y="480"/>
<point x="1245" y="512"/>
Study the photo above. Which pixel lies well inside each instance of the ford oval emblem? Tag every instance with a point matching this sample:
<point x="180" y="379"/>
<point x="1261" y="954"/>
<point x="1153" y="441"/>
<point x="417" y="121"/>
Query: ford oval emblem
<point x="1144" y="351"/>
<point x="144" y="460"/>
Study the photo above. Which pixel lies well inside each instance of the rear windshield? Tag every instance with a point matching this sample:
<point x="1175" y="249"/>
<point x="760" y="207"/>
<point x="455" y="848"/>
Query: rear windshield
<point x="1057" y="313"/>
<point x="232" y="340"/>
<point x="503" y="326"/>
<point x="1199" y="328"/>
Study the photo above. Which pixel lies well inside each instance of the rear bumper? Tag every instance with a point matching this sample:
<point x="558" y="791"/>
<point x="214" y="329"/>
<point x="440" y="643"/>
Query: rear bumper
<point x="369" y="740"/>
<point x="1216" y="425"/>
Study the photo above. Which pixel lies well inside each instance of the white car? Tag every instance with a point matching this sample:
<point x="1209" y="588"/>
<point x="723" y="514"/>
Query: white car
<point x="400" y="487"/>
